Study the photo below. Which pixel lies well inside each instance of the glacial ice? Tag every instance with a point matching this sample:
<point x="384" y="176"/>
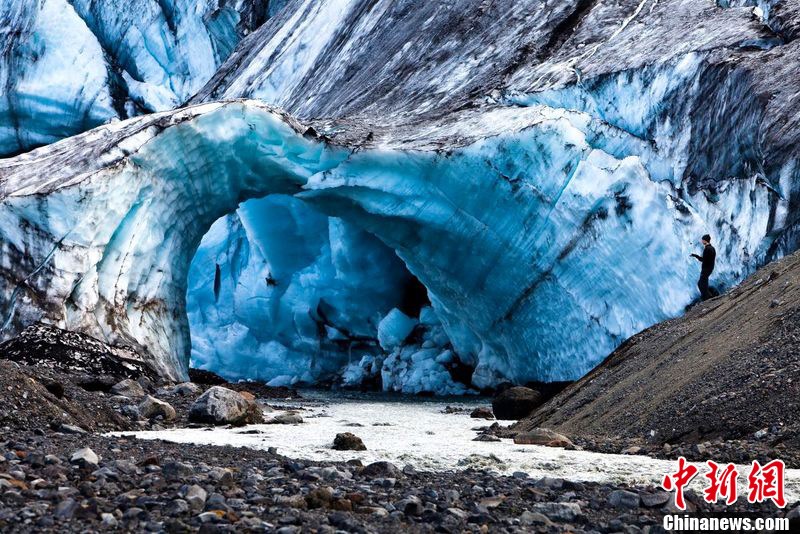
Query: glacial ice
<point x="542" y="178"/>
<point x="69" y="65"/>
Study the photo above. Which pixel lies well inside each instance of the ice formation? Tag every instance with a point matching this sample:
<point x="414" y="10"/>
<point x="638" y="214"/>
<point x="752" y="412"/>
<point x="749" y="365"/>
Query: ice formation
<point x="69" y="65"/>
<point x="543" y="171"/>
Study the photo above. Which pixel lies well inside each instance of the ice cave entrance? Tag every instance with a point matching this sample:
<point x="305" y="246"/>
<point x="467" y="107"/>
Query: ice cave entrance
<point x="281" y="293"/>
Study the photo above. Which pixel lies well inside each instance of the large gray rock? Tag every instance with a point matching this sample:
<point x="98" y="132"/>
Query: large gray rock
<point x="151" y="407"/>
<point x="516" y="403"/>
<point x="542" y="436"/>
<point x="222" y="406"/>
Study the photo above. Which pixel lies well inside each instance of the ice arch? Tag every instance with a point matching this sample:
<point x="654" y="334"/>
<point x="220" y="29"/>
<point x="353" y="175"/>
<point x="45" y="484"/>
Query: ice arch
<point x="543" y="241"/>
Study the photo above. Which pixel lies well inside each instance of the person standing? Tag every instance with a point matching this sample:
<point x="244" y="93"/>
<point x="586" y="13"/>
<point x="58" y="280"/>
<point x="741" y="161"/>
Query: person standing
<point x="708" y="259"/>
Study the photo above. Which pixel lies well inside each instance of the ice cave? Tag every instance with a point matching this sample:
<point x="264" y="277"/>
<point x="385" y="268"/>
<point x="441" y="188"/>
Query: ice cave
<point x="285" y="196"/>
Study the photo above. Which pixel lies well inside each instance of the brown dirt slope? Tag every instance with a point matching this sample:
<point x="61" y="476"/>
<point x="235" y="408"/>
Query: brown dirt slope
<point x="727" y="369"/>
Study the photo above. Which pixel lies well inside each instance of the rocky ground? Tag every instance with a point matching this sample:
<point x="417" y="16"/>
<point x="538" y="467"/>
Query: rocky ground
<point x="49" y="482"/>
<point x="721" y="382"/>
<point x="60" y="473"/>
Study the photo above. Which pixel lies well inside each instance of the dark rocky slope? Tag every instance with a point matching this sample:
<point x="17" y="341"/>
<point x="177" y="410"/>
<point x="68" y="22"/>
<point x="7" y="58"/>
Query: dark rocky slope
<point x="726" y="376"/>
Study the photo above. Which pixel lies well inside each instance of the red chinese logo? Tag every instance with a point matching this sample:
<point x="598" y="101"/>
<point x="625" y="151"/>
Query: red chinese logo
<point x="722" y="483"/>
<point x="766" y="483"/>
<point x="677" y="481"/>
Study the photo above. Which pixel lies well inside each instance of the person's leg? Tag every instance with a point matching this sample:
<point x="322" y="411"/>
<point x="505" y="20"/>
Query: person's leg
<point x="702" y="285"/>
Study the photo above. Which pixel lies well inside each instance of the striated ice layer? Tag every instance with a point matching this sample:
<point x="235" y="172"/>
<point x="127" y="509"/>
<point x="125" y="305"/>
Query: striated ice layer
<point x="67" y="66"/>
<point x="542" y="245"/>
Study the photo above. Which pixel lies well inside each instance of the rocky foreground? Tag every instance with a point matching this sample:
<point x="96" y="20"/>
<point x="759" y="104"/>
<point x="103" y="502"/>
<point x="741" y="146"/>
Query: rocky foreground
<point x="60" y="471"/>
<point x="55" y="482"/>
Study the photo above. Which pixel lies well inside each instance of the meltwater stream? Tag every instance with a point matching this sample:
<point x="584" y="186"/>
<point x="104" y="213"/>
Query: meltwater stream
<point x="410" y="430"/>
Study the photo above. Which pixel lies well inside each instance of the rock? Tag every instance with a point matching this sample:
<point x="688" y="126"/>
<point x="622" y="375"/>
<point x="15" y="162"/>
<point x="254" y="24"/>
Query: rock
<point x="486" y="437"/>
<point x="458" y="513"/>
<point x="319" y="498"/>
<point x="173" y="471"/>
<point x="71" y="429"/>
<point x="196" y="497"/>
<point x="66" y="509"/>
<point x="561" y="511"/>
<point x="528" y="519"/>
<point x="482" y="413"/>
<point x="151" y="407"/>
<point x="516" y="403"/>
<point x="56" y="389"/>
<point x="794" y="514"/>
<point x="85" y="457"/>
<point x="411" y="505"/>
<point x="347" y="441"/>
<point x="653" y="500"/>
<point x="222" y="406"/>
<point x="623" y="499"/>
<point x="542" y="436"/>
<point x="381" y="470"/>
<point x="108" y="520"/>
<point x="285" y="419"/>
<point x="128" y="388"/>
<point x="187" y="389"/>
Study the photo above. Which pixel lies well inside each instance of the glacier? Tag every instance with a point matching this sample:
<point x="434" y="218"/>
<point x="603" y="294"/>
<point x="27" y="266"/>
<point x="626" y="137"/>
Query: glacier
<point x="543" y="171"/>
<point x="69" y="65"/>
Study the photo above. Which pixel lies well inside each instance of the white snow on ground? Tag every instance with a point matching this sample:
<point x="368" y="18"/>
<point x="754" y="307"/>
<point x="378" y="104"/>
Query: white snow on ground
<point x="420" y="434"/>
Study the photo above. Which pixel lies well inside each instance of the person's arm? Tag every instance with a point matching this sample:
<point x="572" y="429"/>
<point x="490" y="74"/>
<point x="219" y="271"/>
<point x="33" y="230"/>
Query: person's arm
<point x="696" y="256"/>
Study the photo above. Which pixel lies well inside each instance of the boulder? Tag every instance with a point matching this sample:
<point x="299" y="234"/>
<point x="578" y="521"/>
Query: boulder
<point x="128" y="388"/>
<point x="347" y="441"/>
<point x="542" y="436"/>
<point x="222" y="406"/>
<point x="151" y="407"/>
<point x="516" y="403"/>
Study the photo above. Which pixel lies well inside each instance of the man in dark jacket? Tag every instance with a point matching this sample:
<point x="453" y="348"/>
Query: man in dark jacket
<point x="708" y="259"/>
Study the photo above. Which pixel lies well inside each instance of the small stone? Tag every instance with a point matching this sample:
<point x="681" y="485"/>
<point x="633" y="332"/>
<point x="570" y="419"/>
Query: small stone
<point x="71" y="429"/>
<point x="761" y="433"/>
<point x="187" y="389"/>
<point x="482" y="413"/>
<point x="108" y="520"/>
<point x="528" y="519"/>
<point x="173" y="471"/>
<point x="561" y="511"/>
<point x="196" y="497"/>
<point x="487" y="438"/>
<point x="347" y="441"/>
<point x="66" y="509"/>
<point x="176" y="507"/>
<point x="458" y="513"/>
<point x="653" y="500"/>
<point x="85" y="457"/>
<point x="285" y="419"/>
<point x="128" y="388"/>
<point x="623" y="499"/>
<point x="411" y="505"/>
<point x="151" y="407"/>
